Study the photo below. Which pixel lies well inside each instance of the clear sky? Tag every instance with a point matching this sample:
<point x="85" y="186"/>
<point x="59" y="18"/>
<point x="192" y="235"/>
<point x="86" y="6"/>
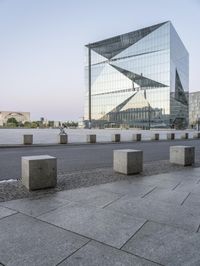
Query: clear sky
<point x="42" y="47"/>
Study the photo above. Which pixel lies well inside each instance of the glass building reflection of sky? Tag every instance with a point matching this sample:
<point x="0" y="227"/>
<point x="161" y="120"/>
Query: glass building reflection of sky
<point x="138" y="79"/>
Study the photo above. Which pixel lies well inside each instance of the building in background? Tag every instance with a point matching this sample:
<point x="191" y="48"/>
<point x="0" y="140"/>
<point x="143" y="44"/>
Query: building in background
<point x="194" y="109"/>
<point x="139" y="79"/>
<point x="19" y="116"/>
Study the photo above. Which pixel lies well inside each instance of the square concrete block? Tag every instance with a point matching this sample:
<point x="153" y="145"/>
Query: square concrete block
<point x="155" y="136"/>
<point x="170" y="136"/>
<point x="196" y="135"/>
<point x="128" y="161"/>
<point x="116" y="138"/>
<point x="137" y="137"/>
<point x="91" y="138"/>
<point x="182" y="155"/>
<point x="63" y="139"/>
<point x="39" y="172"/>
<point x="28" y="139"/>
<point x="185" y="136"/>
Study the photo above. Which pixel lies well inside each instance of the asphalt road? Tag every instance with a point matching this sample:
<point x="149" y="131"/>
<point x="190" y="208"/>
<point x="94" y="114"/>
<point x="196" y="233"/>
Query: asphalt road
<point x="84" y="157"/>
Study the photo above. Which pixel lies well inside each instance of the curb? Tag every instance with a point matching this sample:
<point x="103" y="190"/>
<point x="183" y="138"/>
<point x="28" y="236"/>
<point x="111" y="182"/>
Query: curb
<point x="5" y="146"/>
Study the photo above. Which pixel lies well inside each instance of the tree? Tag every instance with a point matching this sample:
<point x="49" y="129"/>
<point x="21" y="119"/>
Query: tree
<point x="71" y="124"/>
<point x="51" y="124"/>
<point x="27" y="124"/>
<point x="34" y="125"/>
<point x="12" y="122"/>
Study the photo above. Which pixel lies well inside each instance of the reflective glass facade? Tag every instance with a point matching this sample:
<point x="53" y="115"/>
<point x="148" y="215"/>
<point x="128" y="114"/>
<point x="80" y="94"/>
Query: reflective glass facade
<point x="194" y="108"/>
<point x="138" y="79"/>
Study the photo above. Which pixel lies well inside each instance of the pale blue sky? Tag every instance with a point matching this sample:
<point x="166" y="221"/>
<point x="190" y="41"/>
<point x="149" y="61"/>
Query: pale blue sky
<point x="42" y="47"/>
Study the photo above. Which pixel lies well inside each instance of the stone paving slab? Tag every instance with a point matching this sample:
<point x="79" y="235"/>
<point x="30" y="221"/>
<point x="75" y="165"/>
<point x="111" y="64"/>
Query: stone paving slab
<point x="161" y="194"/>
<point x="39" y="205"/>
<point x="95" y="253"/>
<point x="91" y="196"/>
<point x="99" y="224"/>
<point x="188" y="186"/>
<point x="154" y="219"/>
<point x="187" y="173"/>
<point x="156" y="181"/>
<point x="155" y="210"/>
<point x="36" y="206"/>
<point x="166" y="245"/>
<point x="170" y="180"/>
<point x="127" y="187"/>
<point x="27" y="241"/>
<point x="193" y="201"/>
<point x="5" y="212"/>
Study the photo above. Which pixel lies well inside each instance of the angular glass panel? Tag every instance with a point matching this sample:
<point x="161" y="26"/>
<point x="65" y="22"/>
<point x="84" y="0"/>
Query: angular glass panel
<point x="140" y="79"/>
<point x="157" y="40"/>
<point x="111" y="47"/>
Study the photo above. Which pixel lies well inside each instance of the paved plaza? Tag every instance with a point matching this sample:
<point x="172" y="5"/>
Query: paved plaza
<point x="149" y="220"/>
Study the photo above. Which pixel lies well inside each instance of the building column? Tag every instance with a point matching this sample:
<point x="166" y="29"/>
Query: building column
<point x="89" y="86"/>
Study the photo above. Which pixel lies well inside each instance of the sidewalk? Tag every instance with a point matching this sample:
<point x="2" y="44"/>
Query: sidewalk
<point x="149" y="220"/>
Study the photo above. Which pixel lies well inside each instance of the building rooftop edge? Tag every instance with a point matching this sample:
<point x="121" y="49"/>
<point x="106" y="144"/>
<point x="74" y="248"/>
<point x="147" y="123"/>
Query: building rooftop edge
<point x="119" y="35"/>
<point x="5" y="111"/>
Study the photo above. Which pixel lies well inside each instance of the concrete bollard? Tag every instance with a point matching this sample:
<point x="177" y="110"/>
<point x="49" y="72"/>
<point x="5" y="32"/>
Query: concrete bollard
<point x="63" y="139"/>
<point x="39" y="172"/>
<point x="116" y="138"/>
<point x="170" y="136"/>
<point x="155" y="136"/>
<point x="185" y="136"/>
<point x="128" y="161"/>
<point x="182" y="155"/>
<point x="28" y="139"/>
<point x="137" y="137"/>
<point x="196" y="135"/>
<point x="91" y="138"/>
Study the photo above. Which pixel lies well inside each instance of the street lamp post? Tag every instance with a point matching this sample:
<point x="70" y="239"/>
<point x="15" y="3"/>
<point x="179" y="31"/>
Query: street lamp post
<point x="149" y="114"/>
<point x="89" y="88"/>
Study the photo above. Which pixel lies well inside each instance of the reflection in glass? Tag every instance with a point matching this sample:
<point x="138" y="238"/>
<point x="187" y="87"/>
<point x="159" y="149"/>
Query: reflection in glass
<point x="139" y="79"/>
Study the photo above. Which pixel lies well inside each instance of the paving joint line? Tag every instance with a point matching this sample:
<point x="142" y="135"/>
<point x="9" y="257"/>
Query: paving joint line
<point x="9" y="215"/>
<point x="185" y="198"/>
<point x="51" y="210"/>
<point x="148" y="192"/>
<point x="108" y="204"/>
<point x="134" y="234"/>
<point x="198" y="229"/>
<point x="174" y="226"/>
<point x="24" y="213"/>
<point x="176" y="186"/>
<point x="54" y="225"/>
<point x="140" y="257"/>
<point x="73" y="253"/>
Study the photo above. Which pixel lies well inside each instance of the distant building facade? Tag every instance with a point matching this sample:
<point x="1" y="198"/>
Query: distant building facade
<point x="194" y="108"/>
<point x="138" y="79"/>
<point x="19" y="116"/>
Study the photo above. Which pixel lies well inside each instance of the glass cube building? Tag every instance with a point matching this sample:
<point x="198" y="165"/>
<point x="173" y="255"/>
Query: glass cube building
<point x="139" y="79"/>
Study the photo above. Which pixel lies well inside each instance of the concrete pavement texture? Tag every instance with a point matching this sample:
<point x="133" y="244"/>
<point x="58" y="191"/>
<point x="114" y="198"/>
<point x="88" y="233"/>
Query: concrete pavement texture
<point x="140" y="220"/>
